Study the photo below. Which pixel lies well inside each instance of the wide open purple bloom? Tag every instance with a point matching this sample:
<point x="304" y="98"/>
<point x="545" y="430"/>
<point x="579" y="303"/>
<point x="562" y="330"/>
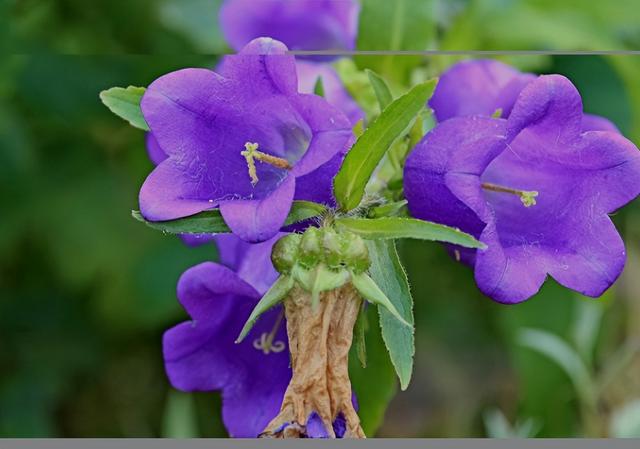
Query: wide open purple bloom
<point x="200" y="355"/>
<point x="477" y="173"/>
<point x="484" y="86"/>
<point x="299" y="24"/>
<point x="208" y="123"/>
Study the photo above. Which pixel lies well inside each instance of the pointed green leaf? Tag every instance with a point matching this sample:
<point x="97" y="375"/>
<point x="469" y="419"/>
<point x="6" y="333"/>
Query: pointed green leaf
<point x="371" y="146"/>
<point x="383" y="94"/>
<point x="207" y="222"/>
<point x="389" y="275"/>
<point x="304" y="210"/>
<point x="389" y="209"/>
<point x="407" y="228"/>
<point x="278" y="291"/>
<point x="125" y="103"/>
<point x="376" y="385"/>
<point x="211" y="221"/>
<point x="318" y="87"/>
<point x="372" y="293"/>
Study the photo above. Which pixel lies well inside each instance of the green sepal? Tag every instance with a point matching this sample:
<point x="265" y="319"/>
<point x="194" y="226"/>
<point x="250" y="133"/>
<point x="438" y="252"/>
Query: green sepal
<point x="372" y="293"/>
<point x="383" y="94"/>
<point x="359" y="339"/>
<point x="319" y="279"/>
<point x="278" y="291"/>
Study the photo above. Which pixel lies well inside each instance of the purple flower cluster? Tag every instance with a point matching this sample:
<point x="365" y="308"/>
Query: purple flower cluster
<point x="536" y="187"/>
<point x="200" y="124"/>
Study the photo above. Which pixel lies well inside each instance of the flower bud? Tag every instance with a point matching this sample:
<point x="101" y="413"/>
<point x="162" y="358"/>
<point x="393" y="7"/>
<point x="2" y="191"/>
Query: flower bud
<point x="311" y="252"/>
<point x="356" y="254"/>
<point x="285" y="253"/>
<point x="334" y="248"/>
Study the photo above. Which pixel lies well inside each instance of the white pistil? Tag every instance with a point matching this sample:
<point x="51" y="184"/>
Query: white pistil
<point x="251" y="155"/>
<point x="266" y="344"/>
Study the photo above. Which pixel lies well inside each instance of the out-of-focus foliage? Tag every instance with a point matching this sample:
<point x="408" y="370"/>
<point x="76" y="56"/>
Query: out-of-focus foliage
<point x="86" y="291"/>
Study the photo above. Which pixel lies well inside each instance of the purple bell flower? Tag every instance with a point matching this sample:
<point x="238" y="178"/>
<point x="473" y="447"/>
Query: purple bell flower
<point x="299" y="24"/>
<point x="484" y="86"/>
<point x="535" y="188"/>
<point x="243" y="140"/>
<point x="200" y="355"/>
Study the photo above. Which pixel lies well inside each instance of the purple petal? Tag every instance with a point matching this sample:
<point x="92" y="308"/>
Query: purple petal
<point x="331" y="129"/>
<point x="442" y="174"/>
<point x="264" y="61"/>
<point x="549" y="107"/>
<point x="512" y="274"/>
<point x="165" y="194"/>
<point x="155" y="152"/>
<point x="317" y="186"/>
<point x="334" y="91"/>
<point x="477" y="87"/>
<point x="252" y="262"/>
<point x="300" y="24"/>
<point x="259" y="220"/>
<point x="207" y="282"/>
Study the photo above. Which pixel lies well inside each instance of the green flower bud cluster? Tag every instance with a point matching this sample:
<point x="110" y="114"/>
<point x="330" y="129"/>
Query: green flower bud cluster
<point x="321" y="246"/>
<point x="320" y="260"/>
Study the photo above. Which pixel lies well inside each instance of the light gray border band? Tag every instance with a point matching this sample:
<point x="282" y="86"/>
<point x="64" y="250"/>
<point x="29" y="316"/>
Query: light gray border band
<point x="130" y="443"/>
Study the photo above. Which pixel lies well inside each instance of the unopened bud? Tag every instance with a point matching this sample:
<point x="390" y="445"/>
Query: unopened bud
<point x="285" y="253"/>
<point x="356" y="254"/>
<point x="334" y="248"/>
<point x="310" y="248"/>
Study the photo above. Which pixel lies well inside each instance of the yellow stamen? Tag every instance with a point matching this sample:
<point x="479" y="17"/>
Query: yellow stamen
<point x="528" y="197"/>
<point x="251" y="155"/>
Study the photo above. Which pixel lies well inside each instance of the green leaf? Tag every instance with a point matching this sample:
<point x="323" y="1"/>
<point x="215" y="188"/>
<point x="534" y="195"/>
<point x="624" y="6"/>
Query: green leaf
<point x="318" y="87"/>
<point x="383" y="94"/>
<point x="304" y="210"/>
<point x="406" y="228"/>
<point x="278" y="291"/>
<point x="558" y="351"/>
<point x="389" y="275"/>
<point x="371" y="146"/>
<point x="125" y="103"/>
<point x="180" y="419"/>
<point x="396" y="25"/>
<point x="376" y="385"/>
<point x="207" y="222"/>
<point x="372" y="293"/>
<point x="387" y="210"/>
<point x="211" y="221"/>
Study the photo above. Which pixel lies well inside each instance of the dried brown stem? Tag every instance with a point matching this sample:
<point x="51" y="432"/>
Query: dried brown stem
<point x="319" y="343"/>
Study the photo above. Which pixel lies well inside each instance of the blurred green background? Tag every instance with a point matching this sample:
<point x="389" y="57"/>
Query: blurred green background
<point x="86" y="292"/>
